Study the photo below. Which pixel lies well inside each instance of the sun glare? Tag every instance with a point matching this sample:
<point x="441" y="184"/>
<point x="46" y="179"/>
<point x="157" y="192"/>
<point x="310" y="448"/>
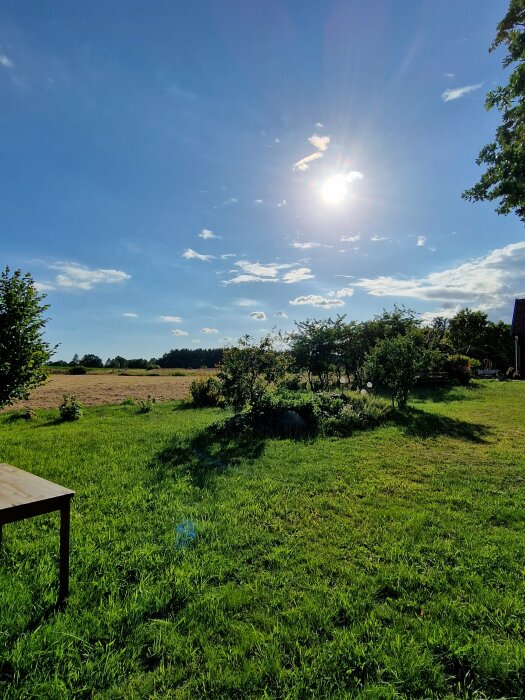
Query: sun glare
<point x="334" y="189"/>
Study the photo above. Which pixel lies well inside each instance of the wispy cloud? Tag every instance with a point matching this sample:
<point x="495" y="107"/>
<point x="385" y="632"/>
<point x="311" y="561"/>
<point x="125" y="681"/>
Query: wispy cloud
<point x="245" y="303"/>
<point x="345" y="292"/>
<point x="421" y="240"/>
<point x="489" y="282"/>
<point x="320" y="142"/>
<point x="179" y="332"/>
<point x="258" y="315"/>
<point x="75" y="276"/>
<point x="375" y="239"/>
<point x="305" y="246"/>
<point x="316" y="300"/>
<point x="129" y="314"/>
<point x="304" y="163"/>
<point x="280" y="314"/>
<point x="282" y="203"/>
<point x="209" y="330"/>
<point x="5" y="61"/>
<point x="190" y="254"/>
<point x="319" y="125"/>
<point x="299" y="275"/>
<point x="350" y="239"/>
<point x="456" y="93"/>
<point x="207" y="234"/>
<point x="260" y="270"/>
<point x="171" y="319"/>
<point x="258" y="201"/>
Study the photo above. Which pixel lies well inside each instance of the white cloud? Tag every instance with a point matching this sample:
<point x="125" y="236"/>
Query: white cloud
<point x="245" y="302"/>
<point x="378" y="238"/>
<point x="269" y="270"/>
<point x="5" y="61"/>
<point x="305" y="246"/>
<point x="190" y="254"/>
<point x="353" y="176"/>
<point x="207" y="234"/>
<point x="455" y="93"/>
<point x="421" y="240"/>
<point x="75" y="276"/>
<point x="258" y="315"/>
<point x="243" y="279"/>
<point x="280" y="314"/>
<point x="258" y="201"/>
<point x="282" y="203"/>
<point x="209" y="330"/>
<point x="43" y="287"/>
<point x="128" y="314"/>
<point x="179" y="332"/>
<point x="345" y="292"/>
<point x="320" y="142"/>
<point x="225" y="256"/>
<point x="196" y="341"/>
<point x="232" y="200"/>
<point x="304" y="163"/>
<point x="489" y="282"/>
<point x="171" y="319"/>
<point x="319" y="125"/>
<point x="450" y="75"/>
<point x="350" y="239"/>
<point x="298" y="275"/>
<point x="315" y="300"/>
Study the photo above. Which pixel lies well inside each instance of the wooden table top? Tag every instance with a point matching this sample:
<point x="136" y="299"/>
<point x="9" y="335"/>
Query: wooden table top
<point x="19" y="488"/>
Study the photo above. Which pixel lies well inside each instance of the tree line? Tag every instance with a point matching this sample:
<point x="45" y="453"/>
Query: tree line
<point x="184" y="358"/>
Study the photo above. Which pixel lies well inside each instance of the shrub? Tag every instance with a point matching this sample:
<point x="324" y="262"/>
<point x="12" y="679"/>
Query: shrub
<point x="306" y="405"/>
<point x="293" y="383"/>
<point x="461" y="367"/>
<point x="206" y="391"/>
<point x="70" y="408"/>
<point x="24" y="414"/>
<point x="129" y="401"/>
<point x="360" y="411"/>
<point x="145" y="405"/>
<point x="78" y="369"/>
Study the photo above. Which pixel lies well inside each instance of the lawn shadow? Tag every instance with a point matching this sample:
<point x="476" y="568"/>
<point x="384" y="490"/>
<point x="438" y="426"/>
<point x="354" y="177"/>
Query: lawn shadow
<point x="210" y="452"/>
<point x="450" y="391"/>
<point x="419" y="423"/>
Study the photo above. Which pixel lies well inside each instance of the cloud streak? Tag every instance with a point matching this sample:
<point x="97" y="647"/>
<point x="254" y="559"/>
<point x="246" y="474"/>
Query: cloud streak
<point x="451" y="94"/>
<point x="190" y="254"/>
<point x="316" y="300"/>
<point x="75" y="276"/>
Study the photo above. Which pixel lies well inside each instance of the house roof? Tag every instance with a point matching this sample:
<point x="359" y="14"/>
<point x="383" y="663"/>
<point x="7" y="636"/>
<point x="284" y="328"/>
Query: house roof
<point x="518" y="318"/>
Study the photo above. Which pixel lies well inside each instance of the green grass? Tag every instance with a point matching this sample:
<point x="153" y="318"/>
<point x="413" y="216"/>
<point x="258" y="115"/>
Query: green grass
<point x="386" y="565"/>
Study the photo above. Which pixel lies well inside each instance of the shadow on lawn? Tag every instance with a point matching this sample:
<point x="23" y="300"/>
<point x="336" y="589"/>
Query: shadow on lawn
<point x="421" y="424"/>
<point x="208" y="453"/>
<point x="449" y="391"/>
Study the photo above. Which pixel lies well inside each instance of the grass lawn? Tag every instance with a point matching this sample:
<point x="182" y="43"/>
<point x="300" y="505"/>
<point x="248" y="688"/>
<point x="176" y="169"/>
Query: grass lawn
<point x="386" y="565"/>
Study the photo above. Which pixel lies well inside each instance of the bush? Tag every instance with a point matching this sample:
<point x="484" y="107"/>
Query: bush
<point x="78" y="369"/>
<point x="70" y="408"/>
<point x="461" y="367"/>
<point x="24" y="414"/>
<point x="145" y="405"/>
<point x="206" y="391"/>
<point x="293" y="383"/>
<point x="359" y="412"/>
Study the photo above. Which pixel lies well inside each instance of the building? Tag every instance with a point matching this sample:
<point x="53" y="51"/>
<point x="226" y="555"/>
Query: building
<point x="518" y="332"/>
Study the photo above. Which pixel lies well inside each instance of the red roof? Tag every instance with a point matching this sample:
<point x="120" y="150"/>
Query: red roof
<point x="518" y="319"/>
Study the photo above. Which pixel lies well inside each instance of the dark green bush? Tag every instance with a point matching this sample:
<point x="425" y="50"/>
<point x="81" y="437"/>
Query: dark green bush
<point x="78" y="369"/>
<point x="146" y="405"/>
<point x="461" y="367"/>
<point x="359" y="412"/>
<point x="206" y="391"/>
<point x="70" y="408"/>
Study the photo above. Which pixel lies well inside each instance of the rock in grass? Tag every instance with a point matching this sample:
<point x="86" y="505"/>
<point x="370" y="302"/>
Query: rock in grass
<point x="290" y="423"/>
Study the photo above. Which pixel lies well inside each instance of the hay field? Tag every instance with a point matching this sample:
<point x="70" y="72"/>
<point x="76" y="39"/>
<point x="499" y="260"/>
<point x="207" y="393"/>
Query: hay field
<point x="99" y="389"/>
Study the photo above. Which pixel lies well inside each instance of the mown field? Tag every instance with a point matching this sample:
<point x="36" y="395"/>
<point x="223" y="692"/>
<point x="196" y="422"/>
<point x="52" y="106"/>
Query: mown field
<point x="105" y="387"/>
<point x="390" y="564"/>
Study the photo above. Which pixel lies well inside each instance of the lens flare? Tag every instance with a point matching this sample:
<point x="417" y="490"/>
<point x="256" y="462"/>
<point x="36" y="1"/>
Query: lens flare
<point x="334" y="189"/>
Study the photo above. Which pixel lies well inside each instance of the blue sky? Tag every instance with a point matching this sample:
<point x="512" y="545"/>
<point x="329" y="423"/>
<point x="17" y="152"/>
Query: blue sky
<point x="169" y="169"/>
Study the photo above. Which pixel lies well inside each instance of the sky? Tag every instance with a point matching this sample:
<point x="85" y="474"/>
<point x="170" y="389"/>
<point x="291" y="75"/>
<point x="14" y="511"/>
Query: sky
<point x="179" y="174"/>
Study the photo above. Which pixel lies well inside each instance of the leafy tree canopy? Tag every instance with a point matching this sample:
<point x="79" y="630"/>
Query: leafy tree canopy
<point x="504" y="179"/>
<point x="23" y="352"/>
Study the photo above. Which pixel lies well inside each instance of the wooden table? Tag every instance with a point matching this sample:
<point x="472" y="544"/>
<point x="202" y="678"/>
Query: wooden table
<point x="23" y="495"/>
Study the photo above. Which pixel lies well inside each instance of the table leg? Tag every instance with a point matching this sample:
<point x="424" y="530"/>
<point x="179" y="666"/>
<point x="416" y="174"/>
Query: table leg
<point x="63" y="590"/>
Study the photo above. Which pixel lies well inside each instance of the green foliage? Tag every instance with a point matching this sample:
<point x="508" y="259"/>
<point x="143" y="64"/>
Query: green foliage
<point x="92" y="361"/>
<point x="357" y="412"/>
<point x="397" y="363"/>
<point x="77" y="369"/>
<point x="24" y="414"/>
<point x="70" y="409"/>
<point x="249" y="372"/>
<point x="206" y="392"/>
<point x="504" y="179"/>
<point x="23" y="352"/>
<point x="461" y="367"/>
<point x="129" y="401"/>
<point x="146" y="405"/>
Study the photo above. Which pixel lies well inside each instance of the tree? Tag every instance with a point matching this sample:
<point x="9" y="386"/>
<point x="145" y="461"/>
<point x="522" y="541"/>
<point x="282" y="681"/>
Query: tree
<point x="23" y="352"/>
<point x="397" y="363"/>
<point x="467" y="332"/>
<point x="504" y="179"/>
<point x="91" y="360"/>
<point x="248" y="372"/>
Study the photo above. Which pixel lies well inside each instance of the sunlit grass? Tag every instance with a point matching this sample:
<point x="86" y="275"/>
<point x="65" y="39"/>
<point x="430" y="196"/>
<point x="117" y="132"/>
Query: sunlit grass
<point x="389" y="564"/>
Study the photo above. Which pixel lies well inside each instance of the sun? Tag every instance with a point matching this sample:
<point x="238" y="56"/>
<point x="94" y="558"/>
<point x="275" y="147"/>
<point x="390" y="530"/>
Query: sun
<point x="334" y="189"/>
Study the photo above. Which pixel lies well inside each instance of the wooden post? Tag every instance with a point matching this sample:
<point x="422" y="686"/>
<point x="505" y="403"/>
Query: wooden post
<point x="63" y="590"/>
